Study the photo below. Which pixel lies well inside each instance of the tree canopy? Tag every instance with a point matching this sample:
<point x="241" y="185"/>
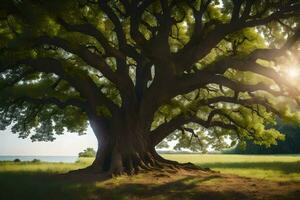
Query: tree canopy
<point x="205" y="70"/>
<point x="290" y="145"/>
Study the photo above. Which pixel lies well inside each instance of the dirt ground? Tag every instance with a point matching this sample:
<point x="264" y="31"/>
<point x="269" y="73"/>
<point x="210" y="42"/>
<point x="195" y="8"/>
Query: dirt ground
<point x="182" y="184"/>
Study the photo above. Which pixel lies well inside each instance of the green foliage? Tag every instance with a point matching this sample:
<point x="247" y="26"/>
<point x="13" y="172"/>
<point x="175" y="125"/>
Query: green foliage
<point x="289" y="146"/>
<point x="36" y="161"/>
<point x="22" y="32"/>
<point x="89" y="152"/>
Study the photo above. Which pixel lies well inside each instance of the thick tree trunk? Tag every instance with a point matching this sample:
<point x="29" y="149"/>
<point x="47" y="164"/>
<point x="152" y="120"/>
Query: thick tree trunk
<point x="115" y="161"/>
<point x="125" y="149"/>
<point x="122" y="148"/>
<point x="117" y="155"/>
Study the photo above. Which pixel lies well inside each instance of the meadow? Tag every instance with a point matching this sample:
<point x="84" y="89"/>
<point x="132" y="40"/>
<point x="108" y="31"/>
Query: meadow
<point x="240" y="177"/>
<point x="270" y="167"/>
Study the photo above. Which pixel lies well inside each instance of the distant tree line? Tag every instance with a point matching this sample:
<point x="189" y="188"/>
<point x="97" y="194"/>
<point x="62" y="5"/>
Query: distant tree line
<point x="291" y="144"/>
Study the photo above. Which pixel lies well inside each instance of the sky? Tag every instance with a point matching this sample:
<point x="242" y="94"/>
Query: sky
<point x="69" y="144"/>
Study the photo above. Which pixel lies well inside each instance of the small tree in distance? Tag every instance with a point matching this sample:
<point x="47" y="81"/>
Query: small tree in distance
<point x="89" y="152"/>
<point x="144" y="72"/>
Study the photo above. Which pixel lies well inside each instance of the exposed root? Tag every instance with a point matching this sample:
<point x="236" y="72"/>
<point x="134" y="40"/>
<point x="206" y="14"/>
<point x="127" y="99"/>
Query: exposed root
<point x="90" y="173"/>
<point x="177" y="165"/>
<point x="134" y="164"/>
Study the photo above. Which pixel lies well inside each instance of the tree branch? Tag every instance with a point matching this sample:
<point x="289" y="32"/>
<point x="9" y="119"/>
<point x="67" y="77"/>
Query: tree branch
<point x="90" y="58"/>
<point x="196" y="52"/>
<point x="54" y="101"/>
<point x="91" y="30"/>
<point x="161" y="132"/>
<point x="85" y="86"/>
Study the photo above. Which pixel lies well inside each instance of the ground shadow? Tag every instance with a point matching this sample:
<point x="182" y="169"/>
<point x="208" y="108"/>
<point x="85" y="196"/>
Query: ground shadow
<point x="39" y="185"/>
<point x="186" y="188"/>
<point x="36" y="186"/>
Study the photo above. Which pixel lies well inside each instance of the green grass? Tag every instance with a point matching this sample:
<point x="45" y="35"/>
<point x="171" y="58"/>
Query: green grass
<point x="276" y="168"/>
<point x="32" y="181"/>
<point x="270" y="167"/>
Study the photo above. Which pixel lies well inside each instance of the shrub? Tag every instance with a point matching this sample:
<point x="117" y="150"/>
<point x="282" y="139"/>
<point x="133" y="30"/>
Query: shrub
<point x="36" y="161"/>
<point x="89" y="152"/>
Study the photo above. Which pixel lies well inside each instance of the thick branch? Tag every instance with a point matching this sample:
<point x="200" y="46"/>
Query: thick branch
<point x="116" y="21"/>
<point x="85" y="86"/>
<point x="54" y="101"/>
<point x="197" y="50"/>
<point x="161" y="132"/>
<point x="165" y="129"/>
<point x="243" y="102"/>
<point x="91" y="30"/>
<point x="189" y="82"/>
<point x="84" y="53"/>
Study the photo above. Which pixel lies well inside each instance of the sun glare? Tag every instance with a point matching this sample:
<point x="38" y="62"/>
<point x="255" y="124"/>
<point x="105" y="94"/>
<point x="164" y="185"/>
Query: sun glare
<point x="293" y="72"/>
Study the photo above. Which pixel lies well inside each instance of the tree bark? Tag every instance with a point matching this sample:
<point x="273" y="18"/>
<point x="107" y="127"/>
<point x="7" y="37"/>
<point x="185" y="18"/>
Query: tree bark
<point x="125" y="147"/>
<point x="122" y="148"/>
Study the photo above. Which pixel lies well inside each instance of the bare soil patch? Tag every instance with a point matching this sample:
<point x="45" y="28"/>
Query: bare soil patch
<point x="189" y="184"/>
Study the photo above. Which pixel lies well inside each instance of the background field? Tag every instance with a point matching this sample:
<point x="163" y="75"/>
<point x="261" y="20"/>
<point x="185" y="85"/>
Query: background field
<point x="277" y="168"/>
<point x="28" y="180"/>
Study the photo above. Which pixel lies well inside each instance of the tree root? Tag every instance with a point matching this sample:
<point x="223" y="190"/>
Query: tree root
<point x="135" y="164"/>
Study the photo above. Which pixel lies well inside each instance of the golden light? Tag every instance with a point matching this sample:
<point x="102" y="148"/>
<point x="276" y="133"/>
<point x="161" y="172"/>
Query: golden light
<point x="293" y="72"/>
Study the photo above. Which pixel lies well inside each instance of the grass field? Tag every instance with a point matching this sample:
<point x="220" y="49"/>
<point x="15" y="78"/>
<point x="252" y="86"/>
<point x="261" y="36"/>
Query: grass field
<point x="271" y="177"/>
<point x="277" y="168"/>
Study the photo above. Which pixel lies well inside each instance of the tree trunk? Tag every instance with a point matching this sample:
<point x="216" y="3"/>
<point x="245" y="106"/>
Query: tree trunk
<point x="119" y="154"/>
<point x="122" y="148"/>
<point x="125" y="148"/>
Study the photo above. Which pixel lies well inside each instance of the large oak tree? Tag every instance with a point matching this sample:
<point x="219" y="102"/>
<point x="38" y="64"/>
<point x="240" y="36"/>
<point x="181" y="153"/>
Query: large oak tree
<point x="197" y="72"/>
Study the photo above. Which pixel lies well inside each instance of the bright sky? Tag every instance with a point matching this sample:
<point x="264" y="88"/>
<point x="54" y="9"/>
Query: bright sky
<point x="65" y="145"/>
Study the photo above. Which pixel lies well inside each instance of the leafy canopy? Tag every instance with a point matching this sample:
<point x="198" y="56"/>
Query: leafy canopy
<point x="216" y="69"/>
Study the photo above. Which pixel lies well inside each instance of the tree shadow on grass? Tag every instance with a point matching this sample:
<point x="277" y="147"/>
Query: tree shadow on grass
<point x="44" y="186"/>
<point x="41" y="186"/>
<point x="186" y="188"/>
<point x="284" y="167"/>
